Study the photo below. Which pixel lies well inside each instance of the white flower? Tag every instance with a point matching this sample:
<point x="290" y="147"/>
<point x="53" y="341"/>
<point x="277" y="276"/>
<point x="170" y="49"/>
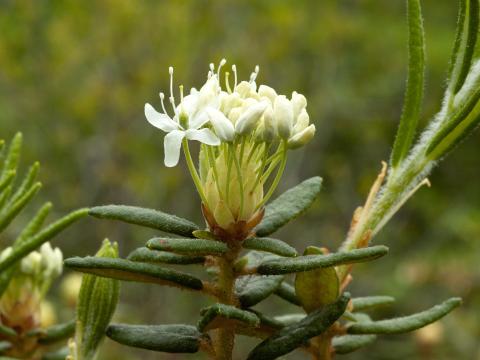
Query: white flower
<point x="283" y="112"/>
<point x="189" y="117"/>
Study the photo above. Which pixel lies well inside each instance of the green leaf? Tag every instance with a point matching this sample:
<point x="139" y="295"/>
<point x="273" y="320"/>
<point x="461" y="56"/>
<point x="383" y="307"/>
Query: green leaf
<point x="127" y="270"/>
<point x="27" y="182"/>
<point x="293" y="336"/>
<point x="288" y="206"/>
<point x="5" y="330"/>
<point x="312" y="262"/>
<point x="273" y="246"/>
<point x="4" y="346"/>
<point x="165" y="338"/>
<point x="188" y="246"/>
<point x="54" y="333"/>
<point x="407" y="323"/>
<point x="287" y="292"/>
<point x="7" y="180"/>
<point x="221" y="315"/>
<point x="12" y="210"/>
<point x="368" y="302"/>
<point x="144" y="254"/>
<point x="316" y="288"/>
<point x="96" y="305"/>
<point x="145" y="217"/>
<point x="415" y="82"/>
<point x="350" y="343"/>
<point x="57" y="355"/>
<point x="252" y="289"/>
<point x="35" y="224"/>
<point x="13" y="154"/>
<point x="465" y="40"/>
<point x="46" y="234"/>
<point x="203" y="234"/>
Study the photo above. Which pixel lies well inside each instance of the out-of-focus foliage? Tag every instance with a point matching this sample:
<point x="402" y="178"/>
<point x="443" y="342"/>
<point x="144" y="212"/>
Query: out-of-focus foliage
<point x="74" y="77"/>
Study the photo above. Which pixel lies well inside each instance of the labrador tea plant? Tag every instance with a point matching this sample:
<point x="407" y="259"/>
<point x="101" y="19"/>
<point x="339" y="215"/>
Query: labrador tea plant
<point x="26" y="274"/>
<point x="245" y="134"/>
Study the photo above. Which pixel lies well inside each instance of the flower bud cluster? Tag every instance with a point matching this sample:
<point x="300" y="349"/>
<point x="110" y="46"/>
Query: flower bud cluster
<point x="245" y="132"/>
<point x="21" y="301"/>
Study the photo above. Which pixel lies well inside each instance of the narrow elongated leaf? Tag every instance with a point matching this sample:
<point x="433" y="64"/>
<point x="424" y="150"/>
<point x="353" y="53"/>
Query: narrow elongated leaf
<point x="273" y="246"/>
<point x="127" y="270"/>
<point x="368" y="302"/>
<point x="5" y="330"/>
<point x="221" y="315"/>
<point x="415" y="82"/>
<point x="165" y="338"/>
<point x="35" y="224"/>
<point x="27" y="182"/>
<point x="288" y="206"/>
<point x="316" y="288"/>
<point x="350" y="343"/>
<point x="144" y="254"/>
<point x="46" y="234"/>
<point x="4" y="346"/>
<point x="293" y="336"/>
<point x="251" y="289"/>
<point x="54" y="333"/>
<point x="188" y="246"/>
<point x="13" y="154"/>
<point x="57" y="355"/>
<point x="145" y="217"/>
<point x="287" y="292"/>
<point x="12" y="210"/>
<point x="407" y="323"/>
<point x="7" y="179"/>
<point x="465" y="40"/>
<point x="312" y="262"/>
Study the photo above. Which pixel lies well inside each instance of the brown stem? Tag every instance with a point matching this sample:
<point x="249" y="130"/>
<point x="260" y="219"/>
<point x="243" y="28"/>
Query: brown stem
<point x="225" y="337"/>
<point x="323" y="347"/>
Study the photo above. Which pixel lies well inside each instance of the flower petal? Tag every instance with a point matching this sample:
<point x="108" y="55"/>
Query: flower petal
<point x="205" y="136"/>
<point x="172" y="144"/>
<point x="159" y="120"/>
<point x="198" y="119"/>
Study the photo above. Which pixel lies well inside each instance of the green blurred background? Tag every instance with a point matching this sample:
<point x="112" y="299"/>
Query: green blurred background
<point x="74" y="76"/>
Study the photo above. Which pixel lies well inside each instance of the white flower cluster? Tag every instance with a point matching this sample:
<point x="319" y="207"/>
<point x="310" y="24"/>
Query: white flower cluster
<point x="245" y="133"/>
<point x="243" y="111"/>
<point x="20" y="303"/>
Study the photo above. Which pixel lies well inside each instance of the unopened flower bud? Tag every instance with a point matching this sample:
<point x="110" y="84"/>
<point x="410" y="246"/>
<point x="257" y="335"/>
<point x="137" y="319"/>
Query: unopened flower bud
<point x="244" y="89"/>
<point x="268" y="125"/>
<point x="303" y="121"/>
<point x="268" y="92"/>
<point x="299" y="103"/>
<point x="96" y="304"/>
<point x="283" y="113"/>
<point x="249" y="119"/>
<point x="302" y="138"/>
<point x="223" y="126"/>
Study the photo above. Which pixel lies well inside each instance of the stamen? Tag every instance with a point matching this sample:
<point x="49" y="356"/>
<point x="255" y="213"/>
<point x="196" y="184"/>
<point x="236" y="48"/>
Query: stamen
<point x="162" y="97"/>
<point x="234" y="69"/>
<point x="227" y="82"/>
<point x="181" y="93"/>
<point x="172" y="101"/>
<point x="222" y="62"/>
<point x="170" y="71"/>
<point x="212" y="67"/>
<point x="254" y="74"/>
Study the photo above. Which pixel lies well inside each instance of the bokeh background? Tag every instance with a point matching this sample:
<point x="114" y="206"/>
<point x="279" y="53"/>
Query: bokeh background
<point x="74" y="76"/>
